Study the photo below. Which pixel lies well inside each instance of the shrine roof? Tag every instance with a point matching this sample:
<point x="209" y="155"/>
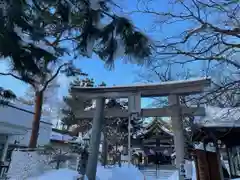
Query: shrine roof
<point x="156" y="126"/>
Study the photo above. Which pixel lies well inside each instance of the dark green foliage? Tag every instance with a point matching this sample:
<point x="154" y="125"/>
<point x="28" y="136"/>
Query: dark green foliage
<point x="23" y="55"/>
<point x="136" y="45"/>
<point x="85" y="22"/>
<point x="71" y="71"/>
<point x="6" y="95"/>
<point x="41" y="20"/>
<point x="68" y="115"/>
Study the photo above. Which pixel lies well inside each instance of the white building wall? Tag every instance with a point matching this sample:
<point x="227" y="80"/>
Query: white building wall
<point x="43" y="138"/>
<point x="22" y="119"/>
<point x="15" y="116"/>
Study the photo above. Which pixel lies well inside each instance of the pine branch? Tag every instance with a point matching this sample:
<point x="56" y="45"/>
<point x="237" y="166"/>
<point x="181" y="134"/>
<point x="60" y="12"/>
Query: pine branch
<point x="17" y="77"/>
<point x="13" y="75"/>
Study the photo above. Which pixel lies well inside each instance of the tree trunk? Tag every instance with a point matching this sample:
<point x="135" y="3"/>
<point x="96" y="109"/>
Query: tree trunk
<point x="36" y="119"/>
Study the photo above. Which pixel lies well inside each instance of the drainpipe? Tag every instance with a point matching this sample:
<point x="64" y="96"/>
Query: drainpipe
<point x="5" y="148"/>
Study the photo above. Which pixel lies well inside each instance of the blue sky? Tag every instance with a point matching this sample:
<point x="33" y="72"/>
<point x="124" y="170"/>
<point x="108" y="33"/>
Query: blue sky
<point x="122" y="74"/>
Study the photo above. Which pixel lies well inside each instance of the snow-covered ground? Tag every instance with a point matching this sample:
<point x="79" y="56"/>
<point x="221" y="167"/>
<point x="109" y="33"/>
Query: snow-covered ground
<point x="116" y="173"/>
<point x="61" y="174"/>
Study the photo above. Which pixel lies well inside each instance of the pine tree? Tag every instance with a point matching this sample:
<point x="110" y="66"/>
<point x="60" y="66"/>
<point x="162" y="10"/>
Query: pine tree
<point x="32" y="34"/>
<point x="68" y="114"/>
<point x="20" y="28"/>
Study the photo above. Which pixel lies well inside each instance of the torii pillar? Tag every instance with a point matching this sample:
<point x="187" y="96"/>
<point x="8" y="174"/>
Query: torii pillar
<point x="179" y="139"/>
<point x="95" y="139"/>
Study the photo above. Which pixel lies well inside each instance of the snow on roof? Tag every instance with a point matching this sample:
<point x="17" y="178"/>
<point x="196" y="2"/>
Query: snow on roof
<point x="60" y="137"/>
<point x="29" y="109"/>
<point x="153" y="124"/>
<point x="22" y="106"/>
<point x="220" y="117"/>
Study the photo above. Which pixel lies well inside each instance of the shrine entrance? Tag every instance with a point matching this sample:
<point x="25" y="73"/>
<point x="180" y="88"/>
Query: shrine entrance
<point x="175" y="110"/>
<point x="155" y="143"/>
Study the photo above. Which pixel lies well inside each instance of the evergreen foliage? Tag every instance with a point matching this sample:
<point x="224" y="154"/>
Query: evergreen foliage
<point x="26" y="28"/>
<point x="68" y="115"/>
<point x="6" y="96"/>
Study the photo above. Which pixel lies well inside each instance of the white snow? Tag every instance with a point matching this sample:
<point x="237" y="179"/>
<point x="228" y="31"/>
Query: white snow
<point x="209" y="147"/>
<point x="220" y="117"/>
<point x="126" y="172"/>
<point x="60" y="137"/>
<point x="146" y="129"/>
<point x="193" y="80"/>
<point x="116" y="173"/>
<point x="61" y="174"/>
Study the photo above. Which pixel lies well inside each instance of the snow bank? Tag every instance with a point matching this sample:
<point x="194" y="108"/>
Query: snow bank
<point x="27" y="164"/>
<point x="61" y="174"/>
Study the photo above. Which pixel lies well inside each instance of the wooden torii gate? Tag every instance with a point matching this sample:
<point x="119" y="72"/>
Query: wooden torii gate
<point x="171" y="89"/>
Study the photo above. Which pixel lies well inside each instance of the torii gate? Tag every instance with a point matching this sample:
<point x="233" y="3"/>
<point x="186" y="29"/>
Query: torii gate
<point x="171" y="89"/>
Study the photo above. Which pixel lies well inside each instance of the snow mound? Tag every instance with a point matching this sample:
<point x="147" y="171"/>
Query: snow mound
<point x="61" y="174"/>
